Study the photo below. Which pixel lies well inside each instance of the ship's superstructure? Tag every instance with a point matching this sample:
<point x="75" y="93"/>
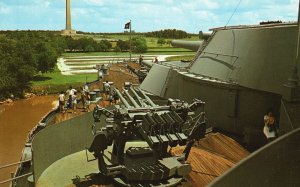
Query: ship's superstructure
<point x="240" y="73"/>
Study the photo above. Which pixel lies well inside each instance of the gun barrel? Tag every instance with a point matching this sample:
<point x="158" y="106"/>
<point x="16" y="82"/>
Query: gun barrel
<point x="147" y="98"/>
<point x="192" y="45"/>
<point x="204" y="35"/>
<point x="131" y="99"/>
<point x="123" y="99"/>
<point x="147" y="63"/>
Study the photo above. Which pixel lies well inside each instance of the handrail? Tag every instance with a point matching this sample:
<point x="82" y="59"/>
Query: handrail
<point x="9" y="180"/>
<point x="12" y="164"/>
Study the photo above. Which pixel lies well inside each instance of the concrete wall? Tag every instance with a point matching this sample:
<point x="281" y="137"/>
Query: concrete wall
<point x="59" y="140"/>
<point x="276" y="164"/>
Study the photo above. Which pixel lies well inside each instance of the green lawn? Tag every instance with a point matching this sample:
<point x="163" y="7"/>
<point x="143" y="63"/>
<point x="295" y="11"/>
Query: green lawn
<point x="153" y="47"/>
<point x="151" y="41"/>
<point x="56" y="78"/>
<point x="166" y="50"/>
<point x="54" y="82"/>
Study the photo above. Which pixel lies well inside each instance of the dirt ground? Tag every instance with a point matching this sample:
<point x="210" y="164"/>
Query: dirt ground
<point x="118" y="74"/>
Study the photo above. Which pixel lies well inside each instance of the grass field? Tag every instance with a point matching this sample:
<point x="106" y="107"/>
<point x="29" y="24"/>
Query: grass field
<point x="166" y="50"/>
<point x="151" y="51"/>
<point x="54" y="82"/>
<point x="153" y="47"/>
<point x="151" y="41"/>
<point x="56" y="78"/>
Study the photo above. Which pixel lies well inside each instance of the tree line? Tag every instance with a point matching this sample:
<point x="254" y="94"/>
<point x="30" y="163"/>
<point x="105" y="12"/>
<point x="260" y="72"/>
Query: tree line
<point x="138" y="45"/>
<point x="25" y="53"/>
<point x="168" y="33"/>
<point x="22" y="55"/>
<point x="86" y="45"/>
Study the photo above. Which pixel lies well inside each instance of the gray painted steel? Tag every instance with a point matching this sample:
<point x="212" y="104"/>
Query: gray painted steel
<point x="156" y="80"/>
<point x="229" y="107"/>
<point x="60" y="140"/>
<point x="240" y="74"/>
<point x="192" y="45"/>
<point x="276" y="164"/>
<point x="258" y="58"/>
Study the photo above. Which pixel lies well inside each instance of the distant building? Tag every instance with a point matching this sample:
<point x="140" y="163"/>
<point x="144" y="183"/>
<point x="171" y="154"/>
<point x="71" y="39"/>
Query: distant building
<point x="68" y="31"/>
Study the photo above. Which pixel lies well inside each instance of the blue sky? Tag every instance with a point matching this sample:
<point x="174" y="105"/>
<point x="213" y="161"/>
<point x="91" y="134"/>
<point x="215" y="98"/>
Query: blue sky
<point x="146" y="15"/>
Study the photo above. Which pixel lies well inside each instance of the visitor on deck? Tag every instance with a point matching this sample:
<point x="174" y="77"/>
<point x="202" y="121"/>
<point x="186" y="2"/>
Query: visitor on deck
<point x="269" y="127"/>
<point x="116" y="97"/>
<point x="106" y="89"/>
<point x="140" y="60"/>
<point x="69" y="94"/>
<point x="86" y="88"/>
<point x="87" y="101"/>
<point x="74" y="102"/>
<point x="83" y="99"/>
<point x="61" y="101"/>
<point x="100" y="74"/>
<point x="155" y="60"/>
<point x="111" y="99"/>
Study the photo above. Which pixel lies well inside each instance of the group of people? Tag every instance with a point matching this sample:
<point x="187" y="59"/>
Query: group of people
<point x="72" y="100"/>
<point x="141" y="58"/>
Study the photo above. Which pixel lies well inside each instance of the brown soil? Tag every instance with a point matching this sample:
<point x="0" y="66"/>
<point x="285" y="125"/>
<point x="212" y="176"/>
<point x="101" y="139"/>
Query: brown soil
<point x="118" y="74"/>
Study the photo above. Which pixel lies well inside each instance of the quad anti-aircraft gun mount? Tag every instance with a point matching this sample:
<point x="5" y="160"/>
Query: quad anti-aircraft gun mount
<point x="134" y="147"/>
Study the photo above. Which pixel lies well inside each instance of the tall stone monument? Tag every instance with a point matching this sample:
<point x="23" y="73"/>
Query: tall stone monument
<point x="68" y="31"/>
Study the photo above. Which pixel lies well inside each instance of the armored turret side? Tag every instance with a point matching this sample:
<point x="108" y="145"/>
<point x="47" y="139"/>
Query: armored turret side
<point x="239" y="74"/>
<point x="260" y="58"/>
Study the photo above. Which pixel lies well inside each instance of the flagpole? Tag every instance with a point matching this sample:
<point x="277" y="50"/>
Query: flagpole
<point x="130" y="41"/>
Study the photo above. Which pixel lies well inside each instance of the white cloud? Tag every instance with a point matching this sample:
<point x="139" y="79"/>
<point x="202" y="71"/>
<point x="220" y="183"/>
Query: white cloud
<point x="147" y="15"/>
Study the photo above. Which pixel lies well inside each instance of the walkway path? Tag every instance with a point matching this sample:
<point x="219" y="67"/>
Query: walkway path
<point x="86" y="64"/>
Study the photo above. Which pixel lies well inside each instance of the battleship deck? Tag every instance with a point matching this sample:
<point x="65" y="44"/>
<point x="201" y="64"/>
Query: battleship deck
<point x="211" y="157"/>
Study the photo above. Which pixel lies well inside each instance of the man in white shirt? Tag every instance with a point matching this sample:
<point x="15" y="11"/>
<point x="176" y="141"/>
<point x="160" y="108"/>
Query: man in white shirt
<point x="61" y="100"/>
<point x="106" y="89"/>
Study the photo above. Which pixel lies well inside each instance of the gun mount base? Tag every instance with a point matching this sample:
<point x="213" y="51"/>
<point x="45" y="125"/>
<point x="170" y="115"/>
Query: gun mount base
<point x="167" y="183"/>
<point x="140" y="166"/>
<point x="133" y="148"/>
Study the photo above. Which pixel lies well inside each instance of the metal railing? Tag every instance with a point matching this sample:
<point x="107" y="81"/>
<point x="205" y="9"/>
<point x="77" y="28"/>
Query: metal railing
<point x="13" y="164"/>
<point x="15" y="178"/>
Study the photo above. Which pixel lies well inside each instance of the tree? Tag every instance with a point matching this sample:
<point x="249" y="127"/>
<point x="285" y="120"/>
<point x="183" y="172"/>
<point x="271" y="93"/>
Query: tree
<point x="89" y="48"/>
<point x="104" y="45"/>
<point x="123" y="45"/>
<point x="161" y="41"/>
<point x="16" y="69"/>
<point x="23" y="54"/>
<point x="46" y="57"/>
<point x="139" y="45"/>
<point x="168" y="33"/>
<point x="117" y="49"/>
